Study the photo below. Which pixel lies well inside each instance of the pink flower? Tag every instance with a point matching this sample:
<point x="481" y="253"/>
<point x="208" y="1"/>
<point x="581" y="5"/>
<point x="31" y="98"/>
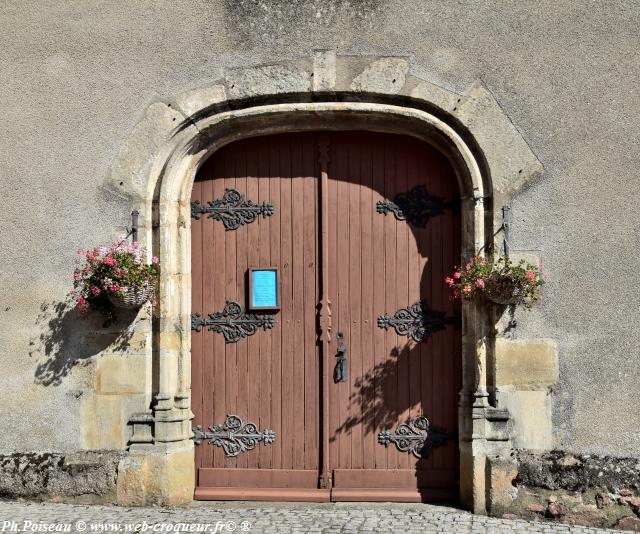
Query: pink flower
<point x="541" y="266"/>
<point x="480" y="282"/>
<point x="467" y="288"/>
<point x="95" y="290"/>
<point x="448" y="280"/>
<point x="77" y="276"/>
<point x="530" y="275"/>
<point x="468" y="266"/>
<point x="86" y="270"/>
<point x="108" y="260"/>
<point x="82" y="301"/>
<point x="155" y="260"/>
<point x="457" y="275"/>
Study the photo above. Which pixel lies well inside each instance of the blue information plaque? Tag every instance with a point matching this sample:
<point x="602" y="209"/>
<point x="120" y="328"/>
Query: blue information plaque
<point x="263" y="289"/>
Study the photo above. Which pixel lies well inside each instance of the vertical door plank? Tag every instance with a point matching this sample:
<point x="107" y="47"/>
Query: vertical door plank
<point x="242" y="348"/>
<point x="414" y="159"/>
<point x="208" y="245"/>
<point x="390" y="394"/>
<point x="264" y="338"/>
<point x="380" y="357"/>
<point x="402" y="292"/>
<point x="285" y="439"/>
<point x="335" y="226"/>
<point x="341" y="306"/>
<point x="275" y="181"/>
<point x="231" y="163"/>
<point x="310" y="233"/>
<point x="253" y="258"/>
<point x="367" y="212"/>
<point x="354" y="298"/>
<point x="298" y="217"/>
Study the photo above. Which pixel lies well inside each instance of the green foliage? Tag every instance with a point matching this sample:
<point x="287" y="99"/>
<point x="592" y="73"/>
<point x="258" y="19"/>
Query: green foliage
<point x="499" y="280"/>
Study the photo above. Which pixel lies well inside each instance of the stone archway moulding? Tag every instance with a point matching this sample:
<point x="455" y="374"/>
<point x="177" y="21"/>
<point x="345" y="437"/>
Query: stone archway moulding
<point x="158" y="164"/>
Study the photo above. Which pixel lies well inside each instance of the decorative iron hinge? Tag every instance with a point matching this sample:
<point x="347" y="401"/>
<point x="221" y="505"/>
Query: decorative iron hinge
<point x="232" y="209"/>
<point x="232" y="322"/>
<point x="416" y="206"/>
<point x="417" y="321"/>
<point x="234" y="436"/>
<point x="416" y="437"/>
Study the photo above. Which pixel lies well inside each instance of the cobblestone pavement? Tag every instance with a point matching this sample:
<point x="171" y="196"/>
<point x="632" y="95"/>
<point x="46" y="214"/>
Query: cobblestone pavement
<point x="265" y="518"/>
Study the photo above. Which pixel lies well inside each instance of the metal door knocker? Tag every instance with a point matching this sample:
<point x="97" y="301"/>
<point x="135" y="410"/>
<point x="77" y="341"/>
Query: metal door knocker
<point x="340" y="370"/>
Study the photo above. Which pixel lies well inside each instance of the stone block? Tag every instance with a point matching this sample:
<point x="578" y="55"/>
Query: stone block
<point x="267" y="80"/>
<point x="531" y="418"/>
<point x="527" y="362"/>
<point x="501" y="491"/>
<point x="89" y="475"/>
<point x="435" y="94"/>
<point x="123" y="374"/>
<point x="103" y="422"/>
<point x="129" y="173"/>
<point x="386" y="75"/>
<point x="511" y="161"/>
<point x="162" y="479"/>
<point x="324" y="70"/>
<point x="194" y="101"/>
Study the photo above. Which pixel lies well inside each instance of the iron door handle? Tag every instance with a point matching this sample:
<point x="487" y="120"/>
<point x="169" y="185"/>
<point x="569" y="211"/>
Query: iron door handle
<point x="340" y="370"/>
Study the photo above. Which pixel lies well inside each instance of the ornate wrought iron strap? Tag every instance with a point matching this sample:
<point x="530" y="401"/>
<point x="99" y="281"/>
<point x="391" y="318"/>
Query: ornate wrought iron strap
<point x="232" y="322"/>
<point x="234" y="436"/>
<point x="417" y="321"/>
<point x="416" y="437"/>
<point x="416" y="206"/>
<point x="232" y="209"/>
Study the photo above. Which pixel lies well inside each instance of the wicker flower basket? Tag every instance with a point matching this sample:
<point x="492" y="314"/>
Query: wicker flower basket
<point x="506" y="293"/>
<point x="131" y="300"/>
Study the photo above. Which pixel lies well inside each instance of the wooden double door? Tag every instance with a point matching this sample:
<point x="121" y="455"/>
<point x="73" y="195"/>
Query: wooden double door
<point x="349" y="390"/>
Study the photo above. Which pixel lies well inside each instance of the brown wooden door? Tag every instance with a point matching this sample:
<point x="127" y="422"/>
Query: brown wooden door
<point x="271" y="377"/>
<point x="376" y="264"/>
<point x="379" y="265"/>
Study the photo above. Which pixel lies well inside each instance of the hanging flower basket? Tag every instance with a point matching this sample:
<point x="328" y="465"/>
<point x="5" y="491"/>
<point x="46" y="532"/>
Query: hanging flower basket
<point x="115" y="277"/>
<point x="132" y="299"/>
<point x="498" y="281"/>
<point x="504" y="291"/>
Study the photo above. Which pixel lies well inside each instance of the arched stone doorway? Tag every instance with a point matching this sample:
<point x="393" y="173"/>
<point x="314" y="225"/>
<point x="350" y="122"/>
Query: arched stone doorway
<point x="161" y="460"/>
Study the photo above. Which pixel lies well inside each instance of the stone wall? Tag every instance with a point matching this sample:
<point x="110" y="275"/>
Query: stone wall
<point x="88" y="476"/>
<point x="578" y="489"/>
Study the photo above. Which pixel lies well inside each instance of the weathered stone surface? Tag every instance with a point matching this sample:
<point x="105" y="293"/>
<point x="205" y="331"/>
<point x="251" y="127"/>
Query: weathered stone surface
<point x="559" y="470"/>
<point x="385" y="75"/>
<point x="629" y="523"/>
<point x="502" y="492"/>
<point x="531" y="418"/>
<point x="555" y="510"/>
<point x="102" y="421"/>
<point x="526" y="362"/>
<point x="536" y="508"/>
<point x="511" y="161"/>
<point x="435" y="94"/>
<point x="129" y="172"/>
<point x="193" y="101"/>
<point x="267" y="80"/>
<point x="90" y="474"/>
<point x="165" y="479"/>
<point x="123" y="374"/>
<point x="324" y="70"/>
